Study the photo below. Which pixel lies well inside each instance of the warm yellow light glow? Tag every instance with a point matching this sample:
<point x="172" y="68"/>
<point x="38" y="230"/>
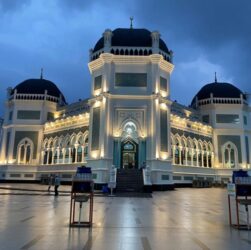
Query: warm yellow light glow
<point x="157" y="154"/>
<point x="163" y="93"/>
<point x="97" y="104"/>
<point x="164" y="155"/>
<point x="116" y="134"/>
<point x="95" y="154"/>
<point x="105" y="86"/>
<point x="56" y="115"/>
<point x="97" y="92"/>
<point x="163" y="106"/>
<point x="102" y="153"/>
<point x="157" y="102"/>
<point x="104" y="99"/>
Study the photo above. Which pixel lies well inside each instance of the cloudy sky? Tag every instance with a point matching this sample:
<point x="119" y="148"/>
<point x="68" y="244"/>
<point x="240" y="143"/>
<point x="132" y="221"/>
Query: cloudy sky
<point x="206" y="36"/>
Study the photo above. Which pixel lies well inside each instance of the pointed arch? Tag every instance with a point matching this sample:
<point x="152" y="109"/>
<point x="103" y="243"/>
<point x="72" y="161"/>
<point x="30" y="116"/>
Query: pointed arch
<point x="25" y="150"/>
<point x="230" y="157"/>
<point x="73" y="139"/>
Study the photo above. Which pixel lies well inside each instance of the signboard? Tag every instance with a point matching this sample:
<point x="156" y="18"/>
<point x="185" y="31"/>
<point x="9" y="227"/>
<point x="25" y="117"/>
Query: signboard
<point x="231" y="189"/>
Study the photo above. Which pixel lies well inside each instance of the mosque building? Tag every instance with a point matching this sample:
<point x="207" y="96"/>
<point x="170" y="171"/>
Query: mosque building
<point x="128" y="123"/>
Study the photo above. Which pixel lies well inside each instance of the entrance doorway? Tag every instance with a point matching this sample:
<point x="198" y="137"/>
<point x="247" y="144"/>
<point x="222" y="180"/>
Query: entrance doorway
<point x="129" y="153"/>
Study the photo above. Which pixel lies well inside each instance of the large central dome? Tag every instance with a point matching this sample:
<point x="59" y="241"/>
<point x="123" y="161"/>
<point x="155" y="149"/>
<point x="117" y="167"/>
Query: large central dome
<point x="133" y="42"/>
<point x="131" y="38"/>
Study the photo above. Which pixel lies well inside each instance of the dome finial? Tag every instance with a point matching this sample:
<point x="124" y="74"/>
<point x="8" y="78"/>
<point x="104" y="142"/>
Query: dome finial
<point x="215" y="77"/>
<point x="131" y="19"/>
<point x="41" y="75"/>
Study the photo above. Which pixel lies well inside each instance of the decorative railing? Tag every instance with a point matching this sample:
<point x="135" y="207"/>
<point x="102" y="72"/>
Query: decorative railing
<point x="217" y="100"/>
<point x="46" y="97"/>
<point x="130" y="51"/>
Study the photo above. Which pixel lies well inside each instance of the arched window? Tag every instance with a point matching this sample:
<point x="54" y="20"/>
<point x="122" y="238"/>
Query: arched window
<point x="25" y="151"/>
<point x="230" y="155"/>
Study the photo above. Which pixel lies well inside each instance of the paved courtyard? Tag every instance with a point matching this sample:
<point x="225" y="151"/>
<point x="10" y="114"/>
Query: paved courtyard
<point x="183" y="219"/>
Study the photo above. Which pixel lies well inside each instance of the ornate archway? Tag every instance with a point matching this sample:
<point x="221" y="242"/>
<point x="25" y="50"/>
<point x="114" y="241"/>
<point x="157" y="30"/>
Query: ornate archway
<point x="129" y="147"/>
<point x="129" y="154"/>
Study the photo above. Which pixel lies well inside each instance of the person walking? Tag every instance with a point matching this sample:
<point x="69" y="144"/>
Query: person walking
<point x="57" y="184"/>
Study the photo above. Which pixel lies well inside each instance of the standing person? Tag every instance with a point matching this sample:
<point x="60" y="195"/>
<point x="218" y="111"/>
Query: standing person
<point x="57" y="184"/>
<point x="50" y="182"/>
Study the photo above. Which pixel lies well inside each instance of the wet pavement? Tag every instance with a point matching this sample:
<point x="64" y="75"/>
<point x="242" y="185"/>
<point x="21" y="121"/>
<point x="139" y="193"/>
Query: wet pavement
<point x="32" y="218"/>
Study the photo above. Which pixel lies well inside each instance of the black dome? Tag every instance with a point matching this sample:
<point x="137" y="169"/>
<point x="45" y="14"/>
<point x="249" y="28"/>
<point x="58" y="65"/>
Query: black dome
<point x="131" y="38"/>
<point x="38" y="86"/>
<point x="218" y="89"/>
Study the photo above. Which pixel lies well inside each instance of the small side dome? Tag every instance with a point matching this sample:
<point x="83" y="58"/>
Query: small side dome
<point x="218" y="90"/>
<point x="38" y="86"/>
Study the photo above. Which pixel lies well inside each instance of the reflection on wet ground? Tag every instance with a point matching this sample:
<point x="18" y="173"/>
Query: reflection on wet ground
<point x="32" y="218"/>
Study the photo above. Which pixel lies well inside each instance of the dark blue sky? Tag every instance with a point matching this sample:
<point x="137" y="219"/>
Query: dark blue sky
<point x="206" y="36"/>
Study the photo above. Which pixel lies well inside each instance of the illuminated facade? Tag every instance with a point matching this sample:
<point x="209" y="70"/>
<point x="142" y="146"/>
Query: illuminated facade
<point x="128" y="122"/>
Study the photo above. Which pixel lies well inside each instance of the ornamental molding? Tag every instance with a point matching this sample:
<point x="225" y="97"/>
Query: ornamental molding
<point x="125" y="115"/>
<point x="130" y="60"/>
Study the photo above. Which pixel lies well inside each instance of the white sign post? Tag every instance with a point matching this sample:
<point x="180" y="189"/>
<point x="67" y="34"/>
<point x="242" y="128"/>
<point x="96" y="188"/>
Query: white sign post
<point x="111" y="185"/>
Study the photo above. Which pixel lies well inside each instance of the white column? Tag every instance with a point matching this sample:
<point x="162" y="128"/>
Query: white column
<point x="83" y="154"/>
<point x="173" y="153"/>
<point x="212" y="159"/>
<point x="69" y="161"/>
<point x="48" y="154"/>
<point x="42" y="158"/>
<point x="58" y="151"/>
<point x="207" y="159"/>
<point x="186" y="150"/>
<point x="197" y="157"/>
<point x="53" y="154"/>
<point x="229" y="158"/>
<point x="25" y="152"/>
<point x="18" y="160"/>
<point x="192" y="153"/>
<point x="63" y="151"/>
<point x="76" y="154"/>
<point x="180" y="149"/>
<point x="202" y="158"/>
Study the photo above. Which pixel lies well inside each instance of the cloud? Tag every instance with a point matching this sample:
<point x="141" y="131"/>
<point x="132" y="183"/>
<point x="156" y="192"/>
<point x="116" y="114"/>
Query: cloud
<point x="206" y="36"/>
<point x="12" y="5"/>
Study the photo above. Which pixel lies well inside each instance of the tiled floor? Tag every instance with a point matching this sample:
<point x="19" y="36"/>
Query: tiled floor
<point x="182" y="219"/>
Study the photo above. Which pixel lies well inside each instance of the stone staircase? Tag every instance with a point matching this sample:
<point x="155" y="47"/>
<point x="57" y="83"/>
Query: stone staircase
<point x="129" y="180"/>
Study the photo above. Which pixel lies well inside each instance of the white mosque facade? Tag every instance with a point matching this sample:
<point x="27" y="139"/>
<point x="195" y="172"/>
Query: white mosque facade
<point x="128" y="122"/>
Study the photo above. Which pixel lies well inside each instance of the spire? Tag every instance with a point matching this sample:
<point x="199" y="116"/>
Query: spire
<point x="215" y="77"/>
<point x="41" y="75"/>
<point x="131" y="19"/>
